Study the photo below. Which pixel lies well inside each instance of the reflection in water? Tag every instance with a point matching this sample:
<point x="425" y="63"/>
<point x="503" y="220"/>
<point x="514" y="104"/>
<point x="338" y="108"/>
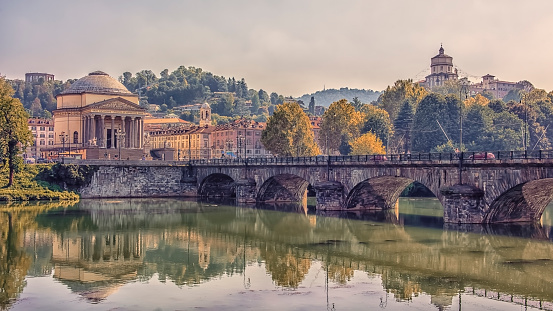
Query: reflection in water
<point x="101" y="246"/>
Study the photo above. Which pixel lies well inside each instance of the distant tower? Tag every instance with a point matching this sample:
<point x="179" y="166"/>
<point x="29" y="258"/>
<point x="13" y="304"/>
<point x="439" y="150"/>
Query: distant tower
<point x="205" y="115"/>
<point x="441" y="70"/>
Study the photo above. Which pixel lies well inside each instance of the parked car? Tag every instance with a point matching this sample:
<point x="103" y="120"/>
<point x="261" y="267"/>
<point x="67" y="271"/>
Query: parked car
<point x="482" y="156"/>
<point x="380" y="157"/>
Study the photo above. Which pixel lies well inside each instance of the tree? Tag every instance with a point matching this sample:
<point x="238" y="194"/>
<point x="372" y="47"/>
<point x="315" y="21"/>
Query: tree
<point x="288" y="132"/>
<point x="341" y="123"/>
<point x="377" y="121"/>
<point x="36" y="107"/>
<point x="356" y="103"/>
<point x="432" y="109"/>
<point x="394" y="96"/>
<point x="13" y="128"/>
<point x="367" y="143"/>
<point x="476" y="100"/>
<point x="312" y="106"/>
<point x="402" y="126"/>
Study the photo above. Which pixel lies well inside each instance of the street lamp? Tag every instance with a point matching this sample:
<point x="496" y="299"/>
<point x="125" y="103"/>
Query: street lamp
<point x="462" y="90"/>
<point x="120" y="140"/>
<point x="63" y="138"/>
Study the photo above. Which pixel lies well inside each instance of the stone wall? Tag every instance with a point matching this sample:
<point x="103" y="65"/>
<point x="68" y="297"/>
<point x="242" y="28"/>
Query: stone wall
<point x="133" y="181"/>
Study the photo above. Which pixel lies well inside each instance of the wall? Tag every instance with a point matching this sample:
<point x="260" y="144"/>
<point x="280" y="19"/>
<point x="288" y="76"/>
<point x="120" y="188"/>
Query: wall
<point x="131" y="180"/>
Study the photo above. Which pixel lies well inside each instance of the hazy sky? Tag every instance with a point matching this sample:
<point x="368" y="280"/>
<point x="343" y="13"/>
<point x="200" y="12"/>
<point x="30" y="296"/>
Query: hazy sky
<point x="290" y="47"/>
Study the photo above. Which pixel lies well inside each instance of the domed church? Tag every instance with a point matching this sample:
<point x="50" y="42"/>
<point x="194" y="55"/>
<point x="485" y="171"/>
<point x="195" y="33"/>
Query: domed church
<point x="98" y="118"/>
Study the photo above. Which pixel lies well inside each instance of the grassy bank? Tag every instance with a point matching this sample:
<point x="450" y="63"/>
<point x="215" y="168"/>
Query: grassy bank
<point x="28" y="187"/>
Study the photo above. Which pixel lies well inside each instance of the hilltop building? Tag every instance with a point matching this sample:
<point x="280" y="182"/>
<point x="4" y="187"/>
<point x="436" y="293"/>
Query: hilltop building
<point x="442" y="70"/>
<point x="98" y="118"/>
<point x="497" y="87"/>
<point x="36" y="76"/>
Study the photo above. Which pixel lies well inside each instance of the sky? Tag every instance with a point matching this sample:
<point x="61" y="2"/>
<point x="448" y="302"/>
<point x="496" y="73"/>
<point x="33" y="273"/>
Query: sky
<point x="292" y="47"/>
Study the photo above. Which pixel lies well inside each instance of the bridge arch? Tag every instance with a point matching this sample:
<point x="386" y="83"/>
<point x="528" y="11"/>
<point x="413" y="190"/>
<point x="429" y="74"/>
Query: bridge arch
<point x="378" y="193"/>
<point x="283" y="188"/>
<point x="217" y="185"/>
<point x="524" y="202"/>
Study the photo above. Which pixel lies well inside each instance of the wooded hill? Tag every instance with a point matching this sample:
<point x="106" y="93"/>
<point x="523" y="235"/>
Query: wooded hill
<point x="329" y="96"/>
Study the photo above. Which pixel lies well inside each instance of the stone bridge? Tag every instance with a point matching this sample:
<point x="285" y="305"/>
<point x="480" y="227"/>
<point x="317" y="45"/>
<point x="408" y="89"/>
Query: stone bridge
<point x="509" y="189"/>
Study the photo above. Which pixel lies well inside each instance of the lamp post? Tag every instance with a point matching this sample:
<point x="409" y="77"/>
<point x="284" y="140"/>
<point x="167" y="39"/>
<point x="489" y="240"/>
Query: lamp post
<point x="120" y="140"/>
<point x="63" y="138"/>
<point x="462" y="90"/>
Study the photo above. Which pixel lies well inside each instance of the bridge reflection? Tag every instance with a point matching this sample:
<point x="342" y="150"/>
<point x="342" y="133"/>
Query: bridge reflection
<point x="104" y="244"/>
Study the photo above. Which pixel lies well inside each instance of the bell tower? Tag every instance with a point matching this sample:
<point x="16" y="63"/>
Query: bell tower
<point x="205" y="114"/>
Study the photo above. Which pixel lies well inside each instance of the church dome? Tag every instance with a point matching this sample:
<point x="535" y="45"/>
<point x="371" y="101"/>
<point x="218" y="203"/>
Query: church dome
<point x="97" y="82"/>
<point x="205" y="106"/>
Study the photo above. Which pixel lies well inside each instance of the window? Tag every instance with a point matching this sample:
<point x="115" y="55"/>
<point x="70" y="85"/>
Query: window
<point x="75" y="137"/>
<point x="42" y="143"/>
<point x="42" y="128"/>
<point x="33" y="128"/>
<point x="249" y="133"/>
<point x="42" y="135"/>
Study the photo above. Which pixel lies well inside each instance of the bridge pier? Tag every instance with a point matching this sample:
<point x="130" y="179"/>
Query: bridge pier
<point x="245" y="191"/>
<point x="189" y="186"/>
<point x="330" y="195"/>
<point x="463" y="204"/>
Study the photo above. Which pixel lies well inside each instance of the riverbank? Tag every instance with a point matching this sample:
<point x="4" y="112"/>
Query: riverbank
<point x="27" y="186"/>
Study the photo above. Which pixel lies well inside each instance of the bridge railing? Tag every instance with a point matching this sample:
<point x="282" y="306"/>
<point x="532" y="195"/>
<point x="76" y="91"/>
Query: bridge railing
<point x="466" y="157"/>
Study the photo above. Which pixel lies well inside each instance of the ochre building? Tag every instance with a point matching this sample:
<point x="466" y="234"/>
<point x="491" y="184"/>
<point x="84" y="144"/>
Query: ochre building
<point x="98" y="118"/>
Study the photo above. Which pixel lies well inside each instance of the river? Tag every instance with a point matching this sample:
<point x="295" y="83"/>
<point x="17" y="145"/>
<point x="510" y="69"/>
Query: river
<point x="172" y="254"/>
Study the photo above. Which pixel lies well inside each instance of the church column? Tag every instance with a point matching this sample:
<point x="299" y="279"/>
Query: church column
<point x="127" y="133"/>
<point x="112" y="132"/>
<point x="131" y="133"/>
<point x="137" y="130"/>
<point x="94" y="129"/>
<point x="102" y="131"/>
<point x="141" y="132"/>
<point x="85" y="127"/>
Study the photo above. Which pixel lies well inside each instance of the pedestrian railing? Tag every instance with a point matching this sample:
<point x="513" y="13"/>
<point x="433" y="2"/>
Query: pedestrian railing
<point x="383" y="159"/>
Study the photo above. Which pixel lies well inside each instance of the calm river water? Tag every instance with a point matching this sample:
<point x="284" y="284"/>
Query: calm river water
<point x="169" y="254"/>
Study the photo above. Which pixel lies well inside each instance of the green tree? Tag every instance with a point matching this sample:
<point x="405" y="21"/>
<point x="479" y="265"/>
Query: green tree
<point x="356" y="103"/>
<point x="288" y="132"/>
<point x="432" y="109"/>
<point x="402" y="127"/>
<point x="341" y="123"/>
<point x="312" y="106"/>
<point x="14" y="131"/>
<point x="394" y="96"/>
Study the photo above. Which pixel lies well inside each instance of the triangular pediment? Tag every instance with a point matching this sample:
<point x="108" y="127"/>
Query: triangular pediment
<point x="116" y="104"/>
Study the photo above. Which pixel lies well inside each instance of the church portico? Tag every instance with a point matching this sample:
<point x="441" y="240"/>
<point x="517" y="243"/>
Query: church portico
<point x="109" y="128"/>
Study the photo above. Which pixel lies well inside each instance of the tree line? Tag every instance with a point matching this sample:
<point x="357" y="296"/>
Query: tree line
<point x="409" y="118"/>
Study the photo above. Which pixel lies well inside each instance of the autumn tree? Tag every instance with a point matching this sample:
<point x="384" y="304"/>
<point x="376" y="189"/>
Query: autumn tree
<point x="14" y="131"/>
<point x="367" y="143"/>
<point x="288" y="132"/>
<point x="341" y="124"/>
